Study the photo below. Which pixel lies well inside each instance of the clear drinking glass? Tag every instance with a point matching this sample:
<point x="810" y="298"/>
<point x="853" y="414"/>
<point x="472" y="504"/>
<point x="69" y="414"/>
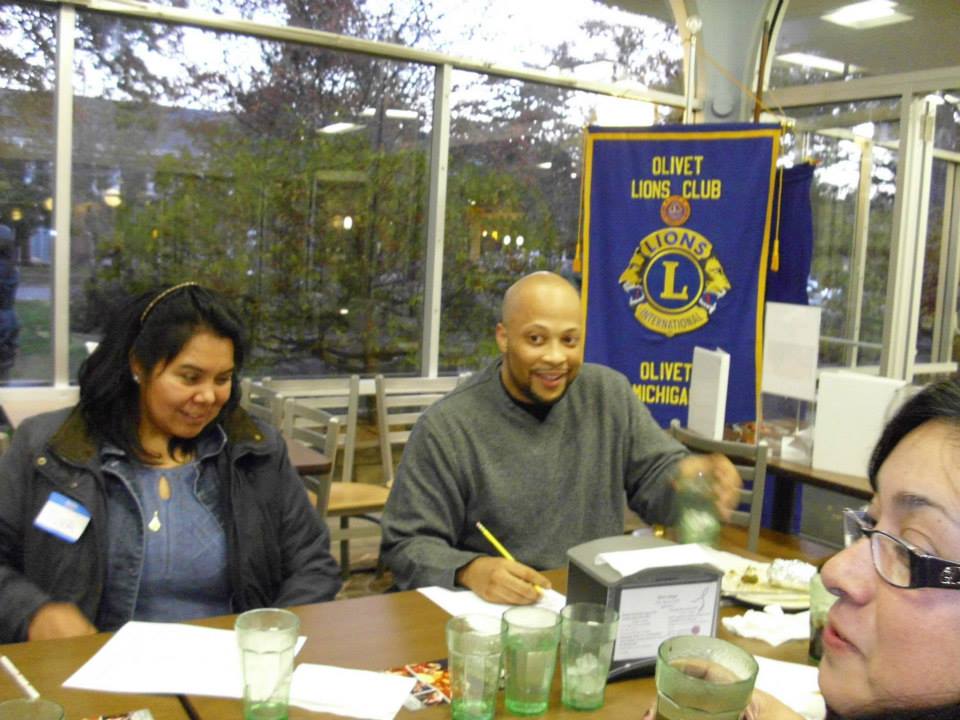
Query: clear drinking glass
<point x="267" y="639"/>
<point x="530" y="639"/>
<point x="25" y="709"/>
<point x="703" y="678"/>
<point x="587" y="633"/>
<point x="474" y="650"/>
<point x="821" y="600"/>
<point x="698" y="520"/>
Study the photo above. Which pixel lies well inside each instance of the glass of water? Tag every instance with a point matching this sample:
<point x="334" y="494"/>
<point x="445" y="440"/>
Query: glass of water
<point x="587" y="633"/>
<point x="531" y="636"/>
<point x="474" y="652"/>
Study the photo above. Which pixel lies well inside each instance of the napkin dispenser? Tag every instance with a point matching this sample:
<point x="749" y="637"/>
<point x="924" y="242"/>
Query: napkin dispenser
<point x="653" y="604"/>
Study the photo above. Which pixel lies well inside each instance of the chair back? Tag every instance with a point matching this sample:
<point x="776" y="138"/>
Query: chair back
<point x="749" y="460"/>
<point x="400" y="403"/>
<point x="338" y="396"/>
<point x="261" y="402"/>
<point x="320" y="431"/>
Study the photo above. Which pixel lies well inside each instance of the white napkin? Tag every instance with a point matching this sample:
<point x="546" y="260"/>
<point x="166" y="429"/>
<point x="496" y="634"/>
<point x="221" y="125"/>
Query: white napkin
<point x="773" y="625"/>
<point x="792" y="684"/>
<point x="353" y="693"/>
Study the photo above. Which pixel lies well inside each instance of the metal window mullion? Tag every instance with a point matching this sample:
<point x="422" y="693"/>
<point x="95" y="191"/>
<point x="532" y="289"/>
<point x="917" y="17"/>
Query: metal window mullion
<point x="908" y="84"/>
<point x="436" y="215"/>
<point x="858" y="259"/>
<point x="63" y="201"/>
<point x="390" y="51"/>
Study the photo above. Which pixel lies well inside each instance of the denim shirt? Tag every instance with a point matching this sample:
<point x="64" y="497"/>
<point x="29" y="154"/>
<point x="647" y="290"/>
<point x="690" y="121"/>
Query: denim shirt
<point x="126" y="524"/>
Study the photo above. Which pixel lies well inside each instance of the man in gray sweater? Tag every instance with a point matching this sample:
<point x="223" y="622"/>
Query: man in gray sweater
<point x="540" y="448"/>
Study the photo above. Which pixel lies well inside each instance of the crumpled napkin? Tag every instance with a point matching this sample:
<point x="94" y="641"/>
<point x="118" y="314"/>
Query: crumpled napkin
<point x="772" y="625"/>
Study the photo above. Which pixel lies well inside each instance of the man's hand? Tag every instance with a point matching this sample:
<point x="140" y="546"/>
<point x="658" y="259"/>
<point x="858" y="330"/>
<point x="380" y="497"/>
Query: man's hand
<point x="59" y="620"/>
<point x="726" y="479"/>
<point x="502" y="581"/>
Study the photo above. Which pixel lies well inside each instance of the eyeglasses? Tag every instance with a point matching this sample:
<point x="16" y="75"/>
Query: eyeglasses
<point x="898" y="562"/>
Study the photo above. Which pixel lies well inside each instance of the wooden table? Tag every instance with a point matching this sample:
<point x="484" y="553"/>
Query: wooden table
<point x="305" y="459"/>
<point x="792" y="474"/>
<point x="372" y="633"/>
<point x="47" y="663"/>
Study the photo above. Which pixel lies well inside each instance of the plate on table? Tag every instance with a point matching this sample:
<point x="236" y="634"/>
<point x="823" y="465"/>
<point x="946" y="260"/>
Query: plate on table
<point x="749" y="586"/>
<point x="763" y="595"/>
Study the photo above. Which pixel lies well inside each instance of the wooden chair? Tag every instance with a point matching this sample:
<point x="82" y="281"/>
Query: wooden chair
<point x="400" y="403"/>
<point x="751" y="463"/>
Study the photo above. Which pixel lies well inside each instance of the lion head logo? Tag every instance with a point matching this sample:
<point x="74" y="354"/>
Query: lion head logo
<point x="674" y="281"/>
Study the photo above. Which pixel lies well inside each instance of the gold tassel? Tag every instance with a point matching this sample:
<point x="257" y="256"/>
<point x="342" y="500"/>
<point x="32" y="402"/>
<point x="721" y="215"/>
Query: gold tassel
<point x="775" y="256"/>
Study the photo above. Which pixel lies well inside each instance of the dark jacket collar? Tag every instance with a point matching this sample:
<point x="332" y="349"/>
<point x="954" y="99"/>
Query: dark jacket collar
<point x="74" y="443"/>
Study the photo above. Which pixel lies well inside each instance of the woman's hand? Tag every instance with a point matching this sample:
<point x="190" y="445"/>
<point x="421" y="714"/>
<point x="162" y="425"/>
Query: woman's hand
<point x="762" y="706"/>
<point x="59" y="620"/>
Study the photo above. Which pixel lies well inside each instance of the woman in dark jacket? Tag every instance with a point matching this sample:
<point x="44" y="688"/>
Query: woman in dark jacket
<point x="156" y="497"/>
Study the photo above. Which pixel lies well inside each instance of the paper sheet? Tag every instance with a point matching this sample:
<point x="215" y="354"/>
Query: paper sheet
<point x="793" y="684"/>
<point x="463" y="602"/>
<point x="791" y="344"/>
<point x="628" y="562"/>
<point x="352" y="693"/>
<point x="145" y="657"/>
<point x="706" y="411"/>
<point x="648" y="615"/>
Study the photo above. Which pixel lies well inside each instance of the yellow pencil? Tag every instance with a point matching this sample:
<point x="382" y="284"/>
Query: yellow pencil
<point x="496" y="543"/>
<point x="500" y="548"/>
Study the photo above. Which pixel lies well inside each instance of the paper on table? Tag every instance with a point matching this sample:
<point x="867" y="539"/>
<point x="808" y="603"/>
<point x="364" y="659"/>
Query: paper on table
<point x="628" y="562"/>
<point x="353" y="693"/>
<point x="793" y="684"/>
<point x="463" y="602"/>
<point x="144" y="657"/>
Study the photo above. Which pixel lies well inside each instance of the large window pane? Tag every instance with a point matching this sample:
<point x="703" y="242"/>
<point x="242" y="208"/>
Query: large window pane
<point x="931" y="262"/>
<point x="883" y="192"/>
<point x="27" y="34"/>
<point x="834" y="205"/>
<point x="591" y="39"/>
<point x="513" y="196"/>
<point x="292" y="178"/>
<point x="837" y="182"/>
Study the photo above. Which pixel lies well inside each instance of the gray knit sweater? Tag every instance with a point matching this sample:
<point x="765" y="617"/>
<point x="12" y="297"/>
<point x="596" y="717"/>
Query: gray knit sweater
<point x="539" y="487"/>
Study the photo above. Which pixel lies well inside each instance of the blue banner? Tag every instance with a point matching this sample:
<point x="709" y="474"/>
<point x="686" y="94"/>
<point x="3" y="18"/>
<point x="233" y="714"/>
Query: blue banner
<point x="674" y="243"/>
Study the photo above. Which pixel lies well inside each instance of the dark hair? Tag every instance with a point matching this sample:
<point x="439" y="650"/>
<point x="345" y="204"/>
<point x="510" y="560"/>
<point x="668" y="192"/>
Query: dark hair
<point x="151" y="328"/>
<point x="938" y="401"/>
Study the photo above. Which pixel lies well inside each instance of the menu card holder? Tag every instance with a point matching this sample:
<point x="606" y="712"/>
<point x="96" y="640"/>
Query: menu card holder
<point x="653" y="604"/>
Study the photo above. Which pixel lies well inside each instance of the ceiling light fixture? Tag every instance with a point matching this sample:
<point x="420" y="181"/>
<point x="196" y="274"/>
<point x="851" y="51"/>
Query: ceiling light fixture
<point x="866" y="15"/>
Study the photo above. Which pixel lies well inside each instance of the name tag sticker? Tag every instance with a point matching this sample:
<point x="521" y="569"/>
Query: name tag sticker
<point x="63" y="517"/>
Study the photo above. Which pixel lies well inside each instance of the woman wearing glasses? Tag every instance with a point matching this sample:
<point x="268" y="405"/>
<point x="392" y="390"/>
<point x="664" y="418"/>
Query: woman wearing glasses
<point x="891" y="647"/>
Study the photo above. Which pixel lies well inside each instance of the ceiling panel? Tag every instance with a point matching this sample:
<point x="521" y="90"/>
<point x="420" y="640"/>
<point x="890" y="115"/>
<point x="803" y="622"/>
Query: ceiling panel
<point x="930" y="40"/>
